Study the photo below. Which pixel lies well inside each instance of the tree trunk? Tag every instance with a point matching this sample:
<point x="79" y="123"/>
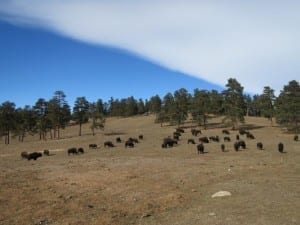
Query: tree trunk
<point x="79" y="129"/>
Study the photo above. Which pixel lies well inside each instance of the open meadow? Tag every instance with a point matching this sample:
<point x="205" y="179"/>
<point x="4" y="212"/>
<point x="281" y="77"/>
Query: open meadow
<point x="149" y="184"/>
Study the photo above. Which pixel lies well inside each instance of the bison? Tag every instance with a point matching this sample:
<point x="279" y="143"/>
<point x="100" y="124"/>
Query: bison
<point x="118" y="140"/>
<point x="200" y="148"/>
<point x="34" y="155"/>
<point x="168" y="142"/>
<point x="46" y="152"/>
<point x="296" y="138"/>
<point x="280" y="147"/>
<point x="227" y="139"/>
<point x="108" y="144"/>
<point x="204" y="139"/>
<point x="80" y="150"/>
<point x="259" y="146"/>
<point x="223" y="147"/>
<point x="141" y="137"/>
<point x="180" y="130"/>
<point x="129" y="144"/>
<point x="239" y="144"/>
<point x="72" y="151"/>
<point x="93" y="146"/>
<point x="225" y="132"/>
<point x="191" y="141"/>
<point x="250" y="136"/>
<point x="195" y="132"/>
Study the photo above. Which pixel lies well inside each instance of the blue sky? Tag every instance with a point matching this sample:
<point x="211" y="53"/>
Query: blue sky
<point x="35" y="63"/>
<point x="103" y="49"/>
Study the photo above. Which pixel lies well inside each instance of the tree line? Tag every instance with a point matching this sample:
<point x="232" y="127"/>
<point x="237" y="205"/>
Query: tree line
<point x="48" y="117"/>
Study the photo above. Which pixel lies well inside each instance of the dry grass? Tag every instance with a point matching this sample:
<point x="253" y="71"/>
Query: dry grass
<point x="148" y="184"/>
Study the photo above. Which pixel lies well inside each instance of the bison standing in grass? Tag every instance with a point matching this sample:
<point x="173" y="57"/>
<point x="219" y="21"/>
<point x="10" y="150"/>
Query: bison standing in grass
<point x="34" y="155"/>
<point x="24" y="155"/>
<point x="108" y="144"/>
<point x="280" y="147"/>
<point x="259" y="146"/>
<point x="200" y="148"/>
<point x="72" y="151"/>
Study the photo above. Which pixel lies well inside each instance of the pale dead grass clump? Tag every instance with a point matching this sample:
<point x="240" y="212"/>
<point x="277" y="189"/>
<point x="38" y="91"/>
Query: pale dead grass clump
<point x="148" y="184"/>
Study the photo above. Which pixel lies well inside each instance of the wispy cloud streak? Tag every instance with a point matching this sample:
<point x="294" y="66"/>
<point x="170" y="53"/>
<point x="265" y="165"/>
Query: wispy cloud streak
<point x="256" y="42"/>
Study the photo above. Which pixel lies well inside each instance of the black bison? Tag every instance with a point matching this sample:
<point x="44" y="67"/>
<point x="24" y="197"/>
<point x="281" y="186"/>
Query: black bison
<point x="46" y="152"/>
<point x="168" y="142"/>
<point x="129" y="144"/>
<point x="176" y="133"/>
<point x="135" y="140"/>
<point x="141" y="137"/>
<point x="239" y="144"/>
<point x="237" y="137"/>
<point x="200" y="148"/>
<point x="24" y="155"/>
<point x="214" y="138"/>
<point x="280" y="147"/>
<point x="243" y="131"/>
<point x="176" y="137"/>
<point x="80" y="150"/>
<point x="72" y="151"/>
<point x="204" y="139"/>
<point x="34" y="155"/>
<point x="195" y="132"/>
<point x="118" y="140"/>
<point x="191" y="141"/>
<point x="259" y="146"/>
<point x="223" y="147"/>
<point x="296" y="138"/>
<point x="250" y="136"/>
<point x="180" y="130"/>
<point x="93" y="146"/>
<point x="108" y="144"/>
<point x="227" y="139"/>
<point x="225" y="132"/>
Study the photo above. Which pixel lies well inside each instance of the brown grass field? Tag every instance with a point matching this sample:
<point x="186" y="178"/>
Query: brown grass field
<point x="149" y="184"/>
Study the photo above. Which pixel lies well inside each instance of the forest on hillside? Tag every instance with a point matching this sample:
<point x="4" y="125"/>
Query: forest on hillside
<point x="50" y="116"/>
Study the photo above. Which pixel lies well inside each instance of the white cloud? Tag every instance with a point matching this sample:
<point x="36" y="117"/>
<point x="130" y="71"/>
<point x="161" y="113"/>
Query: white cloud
<point x="256" y="42"/>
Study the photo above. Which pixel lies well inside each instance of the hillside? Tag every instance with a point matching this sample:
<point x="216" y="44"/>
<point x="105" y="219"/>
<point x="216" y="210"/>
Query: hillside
<point x="148" y="184"/>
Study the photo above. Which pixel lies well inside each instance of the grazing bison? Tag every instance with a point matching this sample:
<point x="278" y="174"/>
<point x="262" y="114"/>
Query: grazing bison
<point x="176" y="133"/>
<point x="108" y="144"/>
<point x="168" y="142"/>
<point x="204" y="139"/>
<point x="214" y="138"/>
<point x="24" y="155"/>
<point x="135" y="140"/>
<point x="223" y="147"/>
<point x="180" y="130"/>
<point x="225" y="132"/>
<point x="250" y="136"/>
<point x="280" y="147"/>
<point x="80" y="150"/>
<point x="227" y="139"/>
<point x="191" y="141"/>
<point x="92" y="146"/>
<point x="237" y="137"/>
<point x="118" y="140"/>
<point x="129" y="144"/>
<point x="72" y="151"/>
<point x="259" y="146"/>
<point x="34" y="155"/>
<point x="239" y="144"/>
<point x="200" y="148"/>
<point x="195" y="132"/>
<point x="141" y="137"/>
<point x="296" y="138"/>
<point x="243" y="131"/>
<point x="46" y="152"/>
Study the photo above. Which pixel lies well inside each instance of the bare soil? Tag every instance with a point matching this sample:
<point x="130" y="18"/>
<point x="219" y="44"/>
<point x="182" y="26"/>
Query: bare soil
<point x="148" y="184"/>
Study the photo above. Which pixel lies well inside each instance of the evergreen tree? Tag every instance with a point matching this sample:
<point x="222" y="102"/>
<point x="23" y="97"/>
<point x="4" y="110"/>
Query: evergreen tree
<point x="43" y="122"/>
<point x="288" y="106"/>
<point x="201" y="105"/>
<point x="81" y="111"/>
<point x="97" y="117"/>
<point x="267" y="101"/>
<point x="155" y="104"/>
<point x="234" y="105"/>
<point x="7" y="120"/>
<point x="181" y="105"/>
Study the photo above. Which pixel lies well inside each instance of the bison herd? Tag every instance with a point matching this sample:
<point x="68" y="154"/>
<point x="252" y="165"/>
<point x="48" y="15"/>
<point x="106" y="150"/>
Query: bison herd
<point x="238" y="144"/>
<point x="169" y="142"/>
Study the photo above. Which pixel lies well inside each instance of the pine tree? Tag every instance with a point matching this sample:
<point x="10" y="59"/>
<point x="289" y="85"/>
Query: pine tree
<point x="288" y="106"/>
<point x="80" y="111"/>
<point x="234" y="105"/>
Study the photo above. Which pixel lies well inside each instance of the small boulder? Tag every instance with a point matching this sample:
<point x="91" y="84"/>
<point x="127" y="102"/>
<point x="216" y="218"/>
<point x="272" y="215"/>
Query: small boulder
<point x="221" y="194"/>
